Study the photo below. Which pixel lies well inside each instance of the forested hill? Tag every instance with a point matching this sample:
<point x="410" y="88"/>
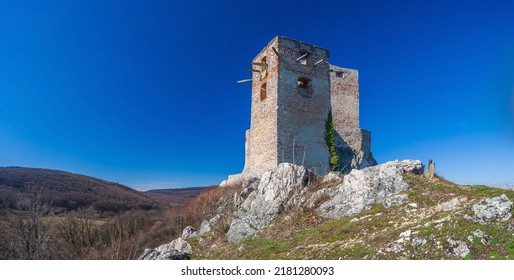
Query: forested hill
<point x="65" y="191"/>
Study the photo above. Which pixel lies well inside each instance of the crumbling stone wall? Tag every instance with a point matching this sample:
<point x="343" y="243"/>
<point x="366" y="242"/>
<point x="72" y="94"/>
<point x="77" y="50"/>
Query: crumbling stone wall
<point x="344" y="90"/>
<point x="353" y="144"/>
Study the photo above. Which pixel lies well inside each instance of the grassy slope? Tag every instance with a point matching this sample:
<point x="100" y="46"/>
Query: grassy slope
<point x="303" y="235"/>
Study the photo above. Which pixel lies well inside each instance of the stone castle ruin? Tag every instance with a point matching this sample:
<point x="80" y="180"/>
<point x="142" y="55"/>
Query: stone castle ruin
<point x="293" y="89"/>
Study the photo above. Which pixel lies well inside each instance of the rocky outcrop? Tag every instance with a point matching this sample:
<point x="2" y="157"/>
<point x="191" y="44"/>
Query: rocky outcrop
<point x="188" y="232"/>
<point x="489" y="210"/>
<point x="427" y="221"/>
<point x="177" y="249"/>
<point x="277" y="190"/>
<point x="262" y="200"/>
<point x="283" y="188"/>
<point x="362" y="188"/>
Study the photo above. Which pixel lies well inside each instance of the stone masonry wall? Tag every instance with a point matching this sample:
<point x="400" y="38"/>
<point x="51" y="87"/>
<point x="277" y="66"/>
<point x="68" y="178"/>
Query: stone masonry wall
<point x="303" y="105"/>
<point x="344" y="90"/>
<point x="261" y="146"/>
<point x="352" y="143"/>
<point x="353" y="146"/>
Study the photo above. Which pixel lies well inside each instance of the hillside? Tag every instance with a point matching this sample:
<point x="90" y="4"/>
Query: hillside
<point x="391" y="211"/>
<point x="66" y="191"/>
<point x="174" y="197"/>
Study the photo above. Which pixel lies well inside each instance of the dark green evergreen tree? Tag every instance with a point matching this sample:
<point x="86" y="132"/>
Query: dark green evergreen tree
<point x="331" y="143"/>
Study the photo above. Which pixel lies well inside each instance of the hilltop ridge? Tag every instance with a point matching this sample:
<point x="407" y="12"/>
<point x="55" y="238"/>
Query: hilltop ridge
<point x="66" y="191"/>
<point x="389" y="211"/>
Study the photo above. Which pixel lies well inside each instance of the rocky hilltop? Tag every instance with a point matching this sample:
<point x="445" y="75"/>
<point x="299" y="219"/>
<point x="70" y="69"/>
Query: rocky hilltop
<point x="388" y="211"/>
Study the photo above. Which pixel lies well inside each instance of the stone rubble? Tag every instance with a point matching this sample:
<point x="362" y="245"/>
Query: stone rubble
<point x="493" y="209"/>
<point x="484" y="238"/>
<point x="418" y="242"/>
<point x="458" y="249"/>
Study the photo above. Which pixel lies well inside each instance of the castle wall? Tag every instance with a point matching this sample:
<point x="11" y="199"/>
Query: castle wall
<point x="344" y="90"/>
<point x="353" y="144"/>
<point x="261" y="145"/>
<point x="302" y="111"/>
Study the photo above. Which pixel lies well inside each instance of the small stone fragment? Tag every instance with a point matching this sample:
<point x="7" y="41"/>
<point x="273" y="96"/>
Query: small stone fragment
<point x="458" y="249"/>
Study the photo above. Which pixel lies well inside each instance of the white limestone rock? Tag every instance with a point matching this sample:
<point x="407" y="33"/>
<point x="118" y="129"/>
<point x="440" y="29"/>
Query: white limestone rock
<point x="493" y="209"/>
<point x="189" y="231"/>
<point x="448" y="205"/>
<point x="458" y="249"/>
<point x="362" y="188"/>
<point x="332" y="176"/>
<point x="178" y="244"/>
<point x="206" y="226"/>
<point x="277" y="190"/>
<point x="418" y="242"/>
<point x="177" y="249"/>
<point x="484" y="238"/>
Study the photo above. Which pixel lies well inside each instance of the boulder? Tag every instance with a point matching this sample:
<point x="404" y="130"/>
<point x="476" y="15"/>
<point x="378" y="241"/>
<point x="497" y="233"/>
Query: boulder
<point x="207" y="226"/>
<point x="361" y="188"/>
<point x="457" y="249"/>
<point x="189" y="231"/>
<point x="493" y="209"/>
<point x="150" y="254"/>
<point x="177" y="249"/>
<point x="178" y="244"/>
<point x="277" y="190"/>
<point x="450" y="205"/>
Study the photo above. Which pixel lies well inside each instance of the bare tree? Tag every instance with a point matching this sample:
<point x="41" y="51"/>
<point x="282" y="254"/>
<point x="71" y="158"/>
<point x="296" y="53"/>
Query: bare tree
<point x="78" y="233"/>
<point x="27" y="233"/>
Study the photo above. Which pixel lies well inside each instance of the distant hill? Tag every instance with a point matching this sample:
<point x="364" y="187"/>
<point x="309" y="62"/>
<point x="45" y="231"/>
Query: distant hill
<point x="174" y="197"/>
<point x="65" y="191"/>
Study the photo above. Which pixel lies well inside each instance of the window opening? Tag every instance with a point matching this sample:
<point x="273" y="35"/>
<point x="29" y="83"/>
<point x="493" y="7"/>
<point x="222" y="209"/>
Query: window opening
<point x="263" y="94"/>
<point x="340" y="74"/>
<point x="304" y="88"/>
<point x="303" y="83"/>
<point x="303" y="57"/>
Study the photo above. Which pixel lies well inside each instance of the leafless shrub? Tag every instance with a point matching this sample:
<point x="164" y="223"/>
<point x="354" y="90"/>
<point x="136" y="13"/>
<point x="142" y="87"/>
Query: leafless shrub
<point x="27" y="233"/>
<point x="79" y="234"/>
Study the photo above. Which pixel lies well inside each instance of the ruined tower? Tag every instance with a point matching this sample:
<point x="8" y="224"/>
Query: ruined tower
<point x="293" y="89"/>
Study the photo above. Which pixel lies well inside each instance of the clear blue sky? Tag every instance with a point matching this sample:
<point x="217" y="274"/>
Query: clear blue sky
<point x="144" y="92"/>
